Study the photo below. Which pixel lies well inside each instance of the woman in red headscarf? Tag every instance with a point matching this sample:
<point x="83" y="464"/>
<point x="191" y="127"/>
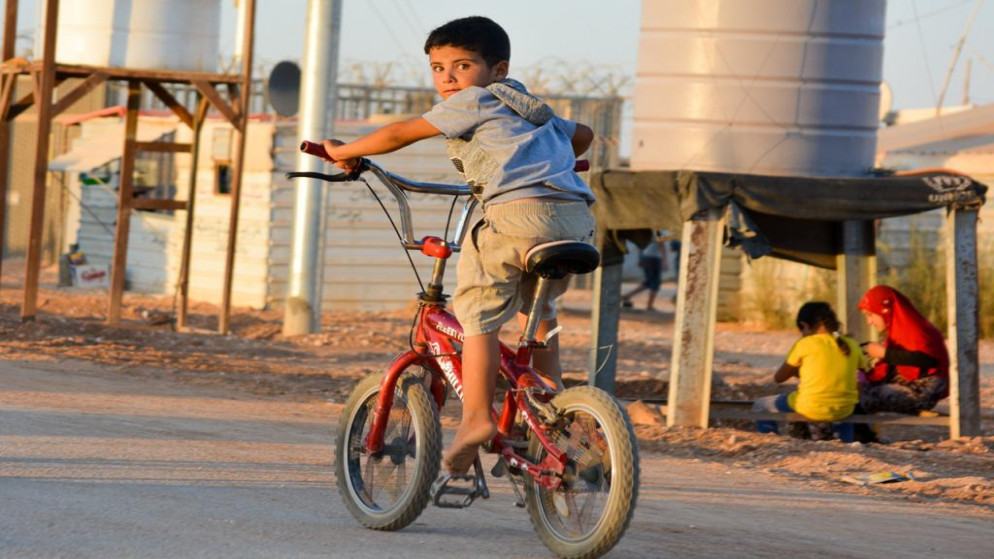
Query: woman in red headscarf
<point x="911" y="369"/>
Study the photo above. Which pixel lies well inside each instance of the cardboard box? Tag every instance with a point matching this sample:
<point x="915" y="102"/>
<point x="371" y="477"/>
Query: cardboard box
<point x="91" y="275"/>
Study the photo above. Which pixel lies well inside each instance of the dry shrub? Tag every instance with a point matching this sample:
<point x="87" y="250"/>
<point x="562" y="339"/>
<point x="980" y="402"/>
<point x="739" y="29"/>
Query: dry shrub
<point x="779" y="288"/>
<point x="985" y="273"/>
<point x="765" y="301"/>
<point x="923" y="279"/>
<point x="924" y="282"/>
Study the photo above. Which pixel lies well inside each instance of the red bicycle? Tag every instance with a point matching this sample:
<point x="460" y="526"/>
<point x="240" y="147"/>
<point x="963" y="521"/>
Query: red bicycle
<point x="573" y="452"/>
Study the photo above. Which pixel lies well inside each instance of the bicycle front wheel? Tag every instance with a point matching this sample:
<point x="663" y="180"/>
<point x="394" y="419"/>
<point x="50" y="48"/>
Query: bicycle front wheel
<point x="590" y="511"/>
<point x="389" y="489"/>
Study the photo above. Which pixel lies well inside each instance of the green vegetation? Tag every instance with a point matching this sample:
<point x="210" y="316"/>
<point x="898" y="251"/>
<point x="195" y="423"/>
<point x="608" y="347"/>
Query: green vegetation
<point x="777" y="288"/>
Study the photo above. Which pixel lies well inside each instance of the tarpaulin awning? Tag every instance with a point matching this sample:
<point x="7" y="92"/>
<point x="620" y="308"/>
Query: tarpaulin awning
<point x="796" y="218"/>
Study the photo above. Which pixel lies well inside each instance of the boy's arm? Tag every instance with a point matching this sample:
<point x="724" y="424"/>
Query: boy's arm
<point x="785" y="372"/>
<point x="383" y="140"/>
<point x="582" y="138"/>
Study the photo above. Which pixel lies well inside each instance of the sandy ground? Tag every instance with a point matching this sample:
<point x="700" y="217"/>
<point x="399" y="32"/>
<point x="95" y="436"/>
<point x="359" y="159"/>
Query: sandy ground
<point x="323" y="367"/>
<point x="98" y="464"/>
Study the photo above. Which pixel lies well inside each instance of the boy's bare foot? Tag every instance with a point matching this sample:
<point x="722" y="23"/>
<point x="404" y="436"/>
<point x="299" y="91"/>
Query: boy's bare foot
<point x="461" y="455"/>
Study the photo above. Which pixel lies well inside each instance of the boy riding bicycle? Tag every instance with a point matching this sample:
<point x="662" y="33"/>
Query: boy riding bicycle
<point x="518" y="158"/>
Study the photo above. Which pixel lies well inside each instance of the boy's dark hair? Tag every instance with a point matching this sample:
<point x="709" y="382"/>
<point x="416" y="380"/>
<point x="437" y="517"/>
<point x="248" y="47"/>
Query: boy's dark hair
<point x="475" y="33"/>
<point x="817" y="313"/>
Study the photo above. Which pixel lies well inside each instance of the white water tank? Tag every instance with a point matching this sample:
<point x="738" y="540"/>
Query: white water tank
<point x="779" y="87"/>
<point x="147" y="34"/>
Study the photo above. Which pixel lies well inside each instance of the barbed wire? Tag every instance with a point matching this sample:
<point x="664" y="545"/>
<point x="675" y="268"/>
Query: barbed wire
<point x="549" y="76"/>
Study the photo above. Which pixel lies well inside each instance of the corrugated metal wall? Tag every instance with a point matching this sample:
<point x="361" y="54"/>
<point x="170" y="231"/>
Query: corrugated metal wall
<point x="365" y="267"/>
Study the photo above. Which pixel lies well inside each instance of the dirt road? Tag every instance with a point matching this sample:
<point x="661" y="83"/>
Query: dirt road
<point x="94" y="463"/>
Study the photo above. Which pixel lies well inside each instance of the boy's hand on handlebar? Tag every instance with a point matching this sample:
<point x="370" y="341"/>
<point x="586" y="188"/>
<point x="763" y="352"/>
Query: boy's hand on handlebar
<point x="347" y="165"/>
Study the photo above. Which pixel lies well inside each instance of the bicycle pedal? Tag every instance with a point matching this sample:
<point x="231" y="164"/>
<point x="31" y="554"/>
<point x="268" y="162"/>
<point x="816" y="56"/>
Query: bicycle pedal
<point x="462" y="496"/>
<point x="448" y="496"/>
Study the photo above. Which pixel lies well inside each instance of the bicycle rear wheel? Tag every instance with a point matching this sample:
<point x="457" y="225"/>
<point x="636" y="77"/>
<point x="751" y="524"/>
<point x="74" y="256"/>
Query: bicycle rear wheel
<point x="587" y="515"/>
<point x="388" y="490"/>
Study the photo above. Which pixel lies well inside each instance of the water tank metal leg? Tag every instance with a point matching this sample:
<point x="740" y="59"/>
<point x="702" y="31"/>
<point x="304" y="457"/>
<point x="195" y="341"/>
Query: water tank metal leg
<point x="962" y="292"/>
<point x="856" y="271"/>
<point x="696" y="309"/>
<point x="605" y="310"/>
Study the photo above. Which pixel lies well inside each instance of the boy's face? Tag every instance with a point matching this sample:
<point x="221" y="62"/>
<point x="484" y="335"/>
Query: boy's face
<point x="454" y="69"/>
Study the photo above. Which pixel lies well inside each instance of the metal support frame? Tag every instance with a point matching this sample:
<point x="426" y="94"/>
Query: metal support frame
<point x="604" y="319"/>
<point x="47" y="74"/>
<point x="696" y="313"/>
<point x="962" y="292"/>
<point x="856" y="272"/>
<point x="693" y="344"/>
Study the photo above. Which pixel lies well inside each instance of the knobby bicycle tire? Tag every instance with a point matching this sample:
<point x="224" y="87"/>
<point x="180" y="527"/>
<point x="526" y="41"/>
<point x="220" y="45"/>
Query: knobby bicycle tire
<point x="413" y="441"/>
<point x="588" y="473"/>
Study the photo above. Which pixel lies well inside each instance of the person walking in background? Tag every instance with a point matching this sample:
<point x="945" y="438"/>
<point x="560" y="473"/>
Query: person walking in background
<point x="910" y="368"/>
<point x="652" y="263"/>
<point x="825" y="363"/>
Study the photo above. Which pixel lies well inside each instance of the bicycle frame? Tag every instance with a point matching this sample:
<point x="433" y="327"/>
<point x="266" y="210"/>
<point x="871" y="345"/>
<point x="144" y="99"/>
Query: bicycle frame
<point x="436" y="334"/>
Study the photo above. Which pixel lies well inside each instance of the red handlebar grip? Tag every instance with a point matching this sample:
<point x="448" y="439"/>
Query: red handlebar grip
<point x="315" y="149"/>
<point x="581" y="165"/>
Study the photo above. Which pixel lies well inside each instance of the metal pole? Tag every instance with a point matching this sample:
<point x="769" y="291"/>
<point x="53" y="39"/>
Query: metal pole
<point x="317" y="103"/>
<point x="962" y="292"/>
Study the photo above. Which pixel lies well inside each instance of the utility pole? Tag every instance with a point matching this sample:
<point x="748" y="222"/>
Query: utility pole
<point x="966" y="81"/>
<point x="318" y="93"/>
<point x="956" y="52"/>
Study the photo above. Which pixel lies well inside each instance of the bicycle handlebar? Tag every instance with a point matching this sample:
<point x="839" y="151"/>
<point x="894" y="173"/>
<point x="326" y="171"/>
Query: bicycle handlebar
<point x="317" y="150"/>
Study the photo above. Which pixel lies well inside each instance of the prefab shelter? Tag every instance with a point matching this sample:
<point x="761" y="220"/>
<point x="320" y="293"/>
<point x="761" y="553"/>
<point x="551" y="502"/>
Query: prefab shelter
<point x="364" y="266"/>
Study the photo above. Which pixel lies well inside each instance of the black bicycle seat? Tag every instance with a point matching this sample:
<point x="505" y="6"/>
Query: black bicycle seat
<point x="557" y="259"/>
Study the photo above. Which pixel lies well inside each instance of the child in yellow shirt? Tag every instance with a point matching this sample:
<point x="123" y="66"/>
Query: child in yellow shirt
<point x="825" y="363"/>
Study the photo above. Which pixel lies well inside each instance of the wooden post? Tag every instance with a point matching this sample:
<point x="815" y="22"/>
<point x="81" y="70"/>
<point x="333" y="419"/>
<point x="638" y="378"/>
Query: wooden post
<point x="962" y="292"/>
<point x="45" y="84"/>
<point x="124" y="199"/>
<point x="238" y="162"/>
<point x="9" y="44"/>
<point x="696" y="310"/>
<point x="856" y="272"/>
<point x="184" y="263"/>
<point x="605" y="310"/>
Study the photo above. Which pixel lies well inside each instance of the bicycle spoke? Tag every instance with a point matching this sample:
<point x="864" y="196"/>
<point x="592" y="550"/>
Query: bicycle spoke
<point x="368" y="481"/>
<point x="570" y="498"/>
<point x="586" y="509"/>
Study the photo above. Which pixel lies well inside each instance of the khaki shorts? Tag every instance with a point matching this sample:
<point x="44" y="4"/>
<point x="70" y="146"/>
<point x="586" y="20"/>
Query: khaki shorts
<point x="492" y="286"/>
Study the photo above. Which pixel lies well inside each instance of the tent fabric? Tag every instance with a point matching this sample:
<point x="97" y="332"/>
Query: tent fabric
<point x="795" y="218"/>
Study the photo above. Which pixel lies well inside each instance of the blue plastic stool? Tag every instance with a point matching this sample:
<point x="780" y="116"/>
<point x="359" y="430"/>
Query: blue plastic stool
<point x="845" y="431"/>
